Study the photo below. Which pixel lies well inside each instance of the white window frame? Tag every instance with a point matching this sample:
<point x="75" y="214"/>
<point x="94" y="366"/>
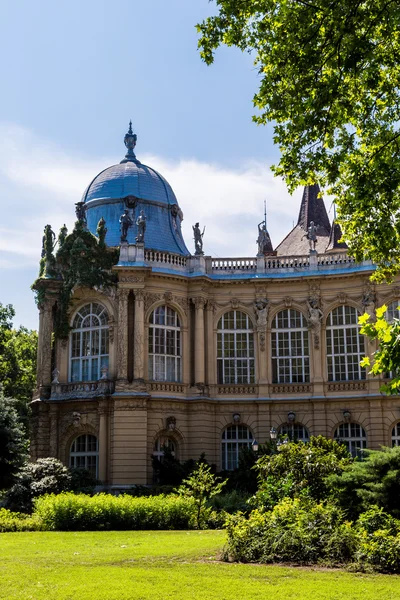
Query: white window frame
<point x="393" y="311"/>
<point x="395" y="438"/>
<point x="231" y="446"/>
<point x="102" y="328"/>
<point x="228" y="358"/>
<point x="296" y="432"/>
<point x="159" y="445"/>
<point x="284" y="361"/>
<point x="163" y="359"/>
<point x="337" y="357"/>
<point x="74" y="454"/>
<point x="353" y="436"/>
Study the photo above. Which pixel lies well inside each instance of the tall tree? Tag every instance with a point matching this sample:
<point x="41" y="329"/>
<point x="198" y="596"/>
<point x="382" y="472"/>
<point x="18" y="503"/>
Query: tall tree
<point x="18" y="348"/>
<point x="13" y="443"/>
<point x="330" y="82"/>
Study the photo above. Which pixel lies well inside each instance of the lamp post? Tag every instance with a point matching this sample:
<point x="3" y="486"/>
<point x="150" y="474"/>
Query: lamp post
<point x="254" y="445"/>
<point x="273" y="434"/>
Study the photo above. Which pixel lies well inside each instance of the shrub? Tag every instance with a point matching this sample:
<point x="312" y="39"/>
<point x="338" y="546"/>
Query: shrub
<point x="45" y="476"/>
<point x="372" y="481"/>
<point x="78" y="512"/>
<point x="231" y="502"/>
<point x="380" y="550"/>
<point x="295" y="530"/>
<point x="13" y="521"/>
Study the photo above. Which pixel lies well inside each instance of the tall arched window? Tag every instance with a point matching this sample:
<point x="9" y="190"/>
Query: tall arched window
<point x="234" y="438"/>
<point x="396" y="435"/>
<point x="235" y="348"/>
<point x="344" y="345"/>
<point x="296" y="432"/>
<point x="89" y="343"/>
<point x="290" y="350"/>
<point x="163" y="442"/>
<point x="84" y="454"/>
<point x="353" y="436"/>
<point x="164" y="345"/>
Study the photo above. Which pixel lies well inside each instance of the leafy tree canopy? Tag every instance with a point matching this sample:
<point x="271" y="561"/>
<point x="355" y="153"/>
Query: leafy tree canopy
<point x="330" y="82"/>
<point x="18" y="348"/>
<point x="13" y="443"/>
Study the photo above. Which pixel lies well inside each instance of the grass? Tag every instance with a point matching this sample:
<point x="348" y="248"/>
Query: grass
<point x="179" y="565"/>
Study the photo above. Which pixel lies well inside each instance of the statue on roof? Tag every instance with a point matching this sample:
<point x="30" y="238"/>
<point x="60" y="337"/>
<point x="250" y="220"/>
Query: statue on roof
<point x="263" y="240"/>
<point x="80" y="211"/>
<point x="311" y="235"/>
<point x="125" y="222"/>
<point x="141" y="225"/>
<point x="198" y="239"/>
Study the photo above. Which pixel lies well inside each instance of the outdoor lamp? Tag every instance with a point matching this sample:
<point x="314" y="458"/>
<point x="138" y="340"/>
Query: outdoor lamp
<point x="254" y="445"/>
<point x="273" y="433"/>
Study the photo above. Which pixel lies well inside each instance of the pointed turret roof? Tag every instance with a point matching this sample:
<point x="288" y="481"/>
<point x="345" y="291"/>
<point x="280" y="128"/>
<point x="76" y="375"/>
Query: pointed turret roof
<point x="336" y="234"/>
<point x="312" y="208"/>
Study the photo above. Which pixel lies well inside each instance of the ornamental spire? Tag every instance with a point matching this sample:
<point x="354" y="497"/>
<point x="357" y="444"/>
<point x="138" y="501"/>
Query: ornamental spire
<point x="130" y="142"/>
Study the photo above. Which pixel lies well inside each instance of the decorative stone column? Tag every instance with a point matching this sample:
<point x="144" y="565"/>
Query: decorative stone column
<point x="138" y="348"/>
<point x="122" y="361"/>
<point x="53" y="427"/>
<point x="45" y="346"/>
<point x="211" y="344"/>
<point x="199" y="340"/>
<point x="103" y="440"/>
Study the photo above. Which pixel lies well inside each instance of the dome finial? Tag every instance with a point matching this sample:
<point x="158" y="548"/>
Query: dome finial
<point x="130" y="142"/>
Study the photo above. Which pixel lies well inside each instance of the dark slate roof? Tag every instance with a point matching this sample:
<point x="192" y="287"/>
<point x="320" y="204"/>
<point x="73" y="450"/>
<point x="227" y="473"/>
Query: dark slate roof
<point x="312" y="208"/>
<point x="336" y="234"/>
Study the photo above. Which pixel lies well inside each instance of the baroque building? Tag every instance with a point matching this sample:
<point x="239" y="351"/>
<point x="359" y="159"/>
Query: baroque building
<point x="143" y="344"/>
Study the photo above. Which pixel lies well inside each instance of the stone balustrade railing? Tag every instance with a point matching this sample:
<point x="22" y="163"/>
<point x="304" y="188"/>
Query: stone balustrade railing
<point x="81" y="389"/>
<point x="165" y="259"/>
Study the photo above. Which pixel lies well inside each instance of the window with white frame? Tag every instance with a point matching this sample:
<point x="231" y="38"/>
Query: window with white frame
<point x="393" y="311"/>
<point x="353" y="436"/>
<point x="235" y="348"/>
<point x="296" y="432"/>
<point x="164" y="345"/>
<point x="89" y="343"/>
<point x="344" y="345"/>
<point x="290" y="347"/>
<point x="234" y="438"/>
<point x="396" y="435"/>
<point x="161" y="443"/>
<point x="84" y="454"/>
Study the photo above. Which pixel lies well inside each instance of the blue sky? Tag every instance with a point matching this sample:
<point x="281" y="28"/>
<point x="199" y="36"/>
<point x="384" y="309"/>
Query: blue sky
<point x="74" y="73"/>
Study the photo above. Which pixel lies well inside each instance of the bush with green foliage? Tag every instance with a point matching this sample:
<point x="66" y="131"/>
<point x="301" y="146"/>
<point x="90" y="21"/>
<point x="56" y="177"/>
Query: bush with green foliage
<point x="80" y="512"/>
<point x="14" y="521"/>
<point x="168" y="470"/>
<point x="13" y="442"/>
<point x="297" y="467"/>
<point x="373" y="481"/>
<point x="295" y="530"/>
<point x="379" y="541"/>
<point x="45" y="476"/>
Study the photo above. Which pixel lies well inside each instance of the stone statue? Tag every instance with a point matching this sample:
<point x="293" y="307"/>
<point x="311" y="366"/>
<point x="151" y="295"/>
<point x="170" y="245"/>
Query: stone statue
<point x="368" y="300"/>
<point x="48" y="262"/>
<point x="101" y="231"/>
<point x="125" y="222"/>
<point x="141" y="227"/>
<point x="263" y="240"/>
<point x="261" y="308"/>
<point x="80" y="211"/>
<point x="311" y="235"/>
<point x="198" y="239"/>
<point x="315" y="315"/>
<point x="62" y="236"/>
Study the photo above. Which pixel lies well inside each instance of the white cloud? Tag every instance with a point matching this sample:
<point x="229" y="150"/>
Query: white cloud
<point x="40" y="184"/>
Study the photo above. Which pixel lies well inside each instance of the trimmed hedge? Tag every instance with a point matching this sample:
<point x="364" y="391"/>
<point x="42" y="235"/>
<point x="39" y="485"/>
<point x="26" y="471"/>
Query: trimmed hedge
<point x="79" y="512"/>
<point x="14" y="521"/>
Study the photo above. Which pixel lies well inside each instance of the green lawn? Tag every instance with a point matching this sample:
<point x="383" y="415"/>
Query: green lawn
<point x="160" y="565"/>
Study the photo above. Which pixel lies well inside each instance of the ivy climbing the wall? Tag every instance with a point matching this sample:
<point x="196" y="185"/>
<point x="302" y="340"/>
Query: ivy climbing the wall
<point x="82" y="259"/>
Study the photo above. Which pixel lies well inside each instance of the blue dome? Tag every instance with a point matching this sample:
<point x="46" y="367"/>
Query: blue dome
<point x="135" y="186"/>
<point x="130" y="178"/>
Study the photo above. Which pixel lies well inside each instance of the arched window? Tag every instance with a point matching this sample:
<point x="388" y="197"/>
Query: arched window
<point x="84" y="453"/>
<point x="164" y="345"/>
<point x="295" y="432"/>
<point x="396" y="435"/>
<point x="161" y="443"/>
<point x="393" y="311"/>
<point x="234" y="438"/>
<point x="235" y="348"/>
<point x="353" y="436"/>
<point x="290" y="351"/>
<point x="89" y="343"/>
<point x="344" y="345"/>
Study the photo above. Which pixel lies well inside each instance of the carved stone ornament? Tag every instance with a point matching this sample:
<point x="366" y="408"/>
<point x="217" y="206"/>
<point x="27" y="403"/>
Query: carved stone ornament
<point x="55" y="374"/>
<point x="168" y="296"/>
<point x="111" y="328"/>
<point x="183" y="303"/>
<point x="199" y="302"/>
<point x="288" y="301"/>
<point x="342" y="298"/>
<point x="369" y="299"/>
<point x="150" y="299"/>
<point x="314" y="319"/>
<point x="262" y="338"/>
<point x="139" y="295"/>
<point x="138" y="279"/>
<point x="235" y="302"/>
<point x="131" y="201"/>
<point x="212" y="306"/>
<point x="261" y="309"/>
